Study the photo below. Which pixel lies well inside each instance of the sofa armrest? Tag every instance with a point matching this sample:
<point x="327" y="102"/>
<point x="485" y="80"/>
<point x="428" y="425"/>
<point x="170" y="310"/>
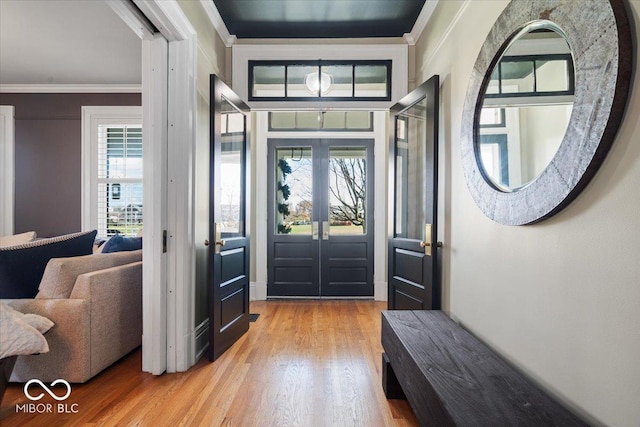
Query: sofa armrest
<point x="115" y="300"/>
<point x="68" y="340"/>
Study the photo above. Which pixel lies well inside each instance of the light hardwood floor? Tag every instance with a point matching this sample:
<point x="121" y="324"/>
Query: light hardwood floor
<point x="303" y="363"/>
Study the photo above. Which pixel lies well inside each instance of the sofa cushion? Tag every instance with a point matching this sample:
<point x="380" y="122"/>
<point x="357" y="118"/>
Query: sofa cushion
<point x="18" y="337"/>
<point x="61" y="273"/>
<point x="41" y="323"/>
<point x="22" y="266"/>
<point x="120" y="243"/>
<point x="17" y="239"/>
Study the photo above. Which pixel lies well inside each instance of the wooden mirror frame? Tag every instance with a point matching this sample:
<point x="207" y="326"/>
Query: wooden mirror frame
<point x="598" y="32"/>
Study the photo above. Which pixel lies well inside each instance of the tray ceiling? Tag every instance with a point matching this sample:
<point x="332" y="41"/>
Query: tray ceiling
<point x="319" y="18"/>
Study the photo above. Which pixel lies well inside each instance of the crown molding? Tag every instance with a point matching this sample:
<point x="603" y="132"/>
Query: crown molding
<point x="216" y="20"/>
<point x="134" y="19"/>
<point x="425" y="14"/>
<point x="446" y="33"/>
<point x="168" y="18"/>
<point x="80" y="88"/>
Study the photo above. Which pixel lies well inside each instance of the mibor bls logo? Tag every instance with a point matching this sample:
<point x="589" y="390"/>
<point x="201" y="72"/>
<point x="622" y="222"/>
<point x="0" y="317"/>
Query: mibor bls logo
<point x="50" y="408"/>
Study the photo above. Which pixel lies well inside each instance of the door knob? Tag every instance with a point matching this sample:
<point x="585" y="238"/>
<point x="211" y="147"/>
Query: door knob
<point x="219" y="241"/>
<point x="206" y="242"/>
<point x="325" y="230"/>
<point x="426" y="243"/>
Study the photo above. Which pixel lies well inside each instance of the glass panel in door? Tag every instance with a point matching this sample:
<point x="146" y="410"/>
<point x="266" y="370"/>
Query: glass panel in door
<point x="232" y="160"/>
<point x="294" y="190"/>
<point x="347" y="190"/>
<point x="410" y="182"/>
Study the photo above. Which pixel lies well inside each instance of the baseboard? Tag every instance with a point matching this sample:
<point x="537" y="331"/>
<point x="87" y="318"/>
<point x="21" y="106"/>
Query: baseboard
<point x="380" y="291"/>
<point x="202" y="338"/>
<point x="257" y="291"/>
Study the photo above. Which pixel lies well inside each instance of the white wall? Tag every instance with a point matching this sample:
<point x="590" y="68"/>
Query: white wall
<point x="542" y="130"/>
<point x="559" y="299"/>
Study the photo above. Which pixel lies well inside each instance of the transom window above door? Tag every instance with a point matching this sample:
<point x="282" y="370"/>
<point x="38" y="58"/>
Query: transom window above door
<point x="320" y="80"/>
<point x="313" y="121"/>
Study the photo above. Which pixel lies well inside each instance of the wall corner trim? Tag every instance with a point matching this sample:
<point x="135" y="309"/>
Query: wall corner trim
<point x="216" y="20"/>
<point x="257" y="291"/>
<point x="446" y="33"/>
<point x="421" y="22"/>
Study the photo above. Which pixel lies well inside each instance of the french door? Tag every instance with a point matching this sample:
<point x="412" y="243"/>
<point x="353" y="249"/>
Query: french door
<point x="413" y="273"/>
<point x="320" y="218"/>
<point x="228" y="243"/>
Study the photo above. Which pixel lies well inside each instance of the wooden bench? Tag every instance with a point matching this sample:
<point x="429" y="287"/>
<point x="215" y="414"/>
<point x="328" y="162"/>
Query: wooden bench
<point x="450" y="378"/>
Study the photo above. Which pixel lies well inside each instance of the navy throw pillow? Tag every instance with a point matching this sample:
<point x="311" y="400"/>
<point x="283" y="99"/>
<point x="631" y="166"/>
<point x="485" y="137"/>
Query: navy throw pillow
<point x="22" y="266"/>
<point x="120" y="243"/>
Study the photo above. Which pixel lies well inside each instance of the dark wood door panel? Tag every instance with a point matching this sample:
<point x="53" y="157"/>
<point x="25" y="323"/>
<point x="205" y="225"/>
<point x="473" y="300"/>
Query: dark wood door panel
<point x="408" y="265"/>
<point x="232" y="266"/>
<point x="404" y="301"/>
<point x="347" y="281"/>
<point x="293" y="250"/>
<point x="347" y="251"/>
<point x="232" y="307"/>
<point x="294" y="274"/>
<point x="413" y="277"/>
<point x="229" y="239"/>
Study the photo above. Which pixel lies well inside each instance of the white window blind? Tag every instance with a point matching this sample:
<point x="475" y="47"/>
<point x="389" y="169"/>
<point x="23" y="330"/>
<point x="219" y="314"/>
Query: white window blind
<point x="119" y="201"/>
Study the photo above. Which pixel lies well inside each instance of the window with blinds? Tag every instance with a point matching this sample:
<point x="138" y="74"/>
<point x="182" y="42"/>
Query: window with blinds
<point x="120" y="189"/>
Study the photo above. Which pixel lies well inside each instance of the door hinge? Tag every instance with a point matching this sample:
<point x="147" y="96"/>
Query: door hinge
<point x="164" y="241"/>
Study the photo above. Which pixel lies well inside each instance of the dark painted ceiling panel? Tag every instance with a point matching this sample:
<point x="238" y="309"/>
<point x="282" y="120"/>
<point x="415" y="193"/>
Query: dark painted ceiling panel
<point x="319" y="18"/>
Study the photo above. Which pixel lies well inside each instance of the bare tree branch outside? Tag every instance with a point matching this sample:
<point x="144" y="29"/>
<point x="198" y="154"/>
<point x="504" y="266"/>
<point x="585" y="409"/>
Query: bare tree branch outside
<point x="348" y="191"/>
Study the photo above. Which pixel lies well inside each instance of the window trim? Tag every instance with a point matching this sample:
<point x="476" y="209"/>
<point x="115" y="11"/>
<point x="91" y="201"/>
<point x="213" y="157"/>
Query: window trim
<point x="92" y="117"/>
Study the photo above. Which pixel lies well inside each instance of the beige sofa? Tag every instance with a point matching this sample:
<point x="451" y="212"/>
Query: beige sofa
<point x="95" y="302"/>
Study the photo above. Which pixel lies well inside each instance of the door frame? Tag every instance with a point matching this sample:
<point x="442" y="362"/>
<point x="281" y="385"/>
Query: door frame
<point x="169" y="117"/>
<point x="258" y="288"/>
<point x="7" y="163"/>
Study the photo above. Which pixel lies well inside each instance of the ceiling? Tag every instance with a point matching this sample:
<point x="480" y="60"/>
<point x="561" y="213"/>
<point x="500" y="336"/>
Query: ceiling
<point x="72" y="42"/>
<point x="319" y="18"/>
<point x="66" y="42"/>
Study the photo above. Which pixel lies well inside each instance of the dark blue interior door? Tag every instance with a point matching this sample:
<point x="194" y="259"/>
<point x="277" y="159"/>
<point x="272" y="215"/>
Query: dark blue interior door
<point x="413" y="195"/>
<point x="229" y="233"/>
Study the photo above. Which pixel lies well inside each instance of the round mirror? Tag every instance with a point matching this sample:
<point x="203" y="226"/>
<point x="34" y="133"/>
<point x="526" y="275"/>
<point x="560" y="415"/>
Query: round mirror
<point x="526" y="107"/>
<point x="545" y="99"/>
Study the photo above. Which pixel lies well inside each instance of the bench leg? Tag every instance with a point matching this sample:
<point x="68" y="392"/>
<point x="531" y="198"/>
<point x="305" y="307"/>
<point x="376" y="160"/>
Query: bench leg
<point x="390" y="384"/>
